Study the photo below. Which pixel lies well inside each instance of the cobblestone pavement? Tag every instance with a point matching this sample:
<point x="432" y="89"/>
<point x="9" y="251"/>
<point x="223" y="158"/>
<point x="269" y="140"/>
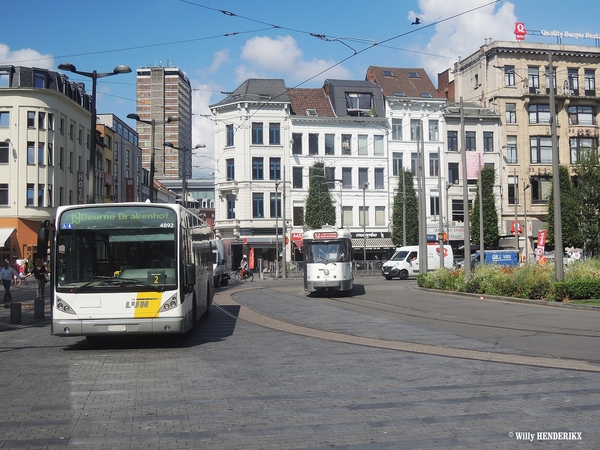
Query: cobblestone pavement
<point x="238" y="385"/>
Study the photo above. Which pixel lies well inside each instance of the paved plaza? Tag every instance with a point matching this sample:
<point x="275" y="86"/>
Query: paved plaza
<point x="235" y="384"/>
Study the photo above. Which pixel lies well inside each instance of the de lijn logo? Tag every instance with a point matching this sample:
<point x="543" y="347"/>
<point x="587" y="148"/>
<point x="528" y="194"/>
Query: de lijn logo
<point x="135" y="304"/>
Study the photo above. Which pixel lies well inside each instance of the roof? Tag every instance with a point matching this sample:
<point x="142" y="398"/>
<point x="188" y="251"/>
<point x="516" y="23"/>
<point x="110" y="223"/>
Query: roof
<point x="411" y="82"/>
<point x="257" y="90"/>
<point x="337" y="90"/>
<point x="305" y="99"/>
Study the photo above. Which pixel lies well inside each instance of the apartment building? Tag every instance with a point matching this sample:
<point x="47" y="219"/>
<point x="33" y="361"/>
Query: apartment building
<point x="513" y="79"/>
<point x="44" y="152"/>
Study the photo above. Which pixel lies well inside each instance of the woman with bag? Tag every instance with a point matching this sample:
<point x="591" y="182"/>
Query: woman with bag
<point x="39" y="273"/>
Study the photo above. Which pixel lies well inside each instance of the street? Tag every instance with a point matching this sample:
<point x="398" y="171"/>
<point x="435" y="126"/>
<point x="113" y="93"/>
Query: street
<point x="390" y="367"/>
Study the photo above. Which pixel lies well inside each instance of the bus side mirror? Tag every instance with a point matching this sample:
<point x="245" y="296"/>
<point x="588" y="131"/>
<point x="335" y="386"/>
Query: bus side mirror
<point x="190" y="274"/>
<point x="42" y="239"/>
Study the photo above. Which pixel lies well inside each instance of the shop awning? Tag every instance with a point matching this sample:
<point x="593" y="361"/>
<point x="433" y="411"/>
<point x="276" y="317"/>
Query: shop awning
<point x="373" y="243"/>
<point x="5" y="234"/>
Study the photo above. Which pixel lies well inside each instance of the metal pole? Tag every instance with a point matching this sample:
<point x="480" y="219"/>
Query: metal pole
<point x="276" y="231"/>
<point x="366" y="183"/>
<point x="481" y="237"/>
<point x="467" y="228"/>
<point x="440" y="211"/>
<point x="527" y="186"/>
<point x="422" y="204"/>
<point x="93" y="136"/>
<point x="283" y="215"/>
<point x="516" y="190"/>
<point x="152" y="167"/>
<point x="403" y="208"/>
<point x="558" y="243"/>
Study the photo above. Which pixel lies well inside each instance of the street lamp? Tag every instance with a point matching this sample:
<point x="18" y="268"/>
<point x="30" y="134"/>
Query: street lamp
<point x="365" y="186"/>
<point x="184" y="178"/>
<point x="94" y="76"/>
<point x="152" y="124"/>
<point x="527" y="186"/>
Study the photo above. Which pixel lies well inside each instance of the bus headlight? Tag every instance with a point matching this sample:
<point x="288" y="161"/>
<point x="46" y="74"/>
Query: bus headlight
<point x="63" y="306"/>
<point x="170" y="303"/>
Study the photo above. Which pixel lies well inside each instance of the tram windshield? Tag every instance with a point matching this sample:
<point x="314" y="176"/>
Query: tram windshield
<point x="332" y="251"/>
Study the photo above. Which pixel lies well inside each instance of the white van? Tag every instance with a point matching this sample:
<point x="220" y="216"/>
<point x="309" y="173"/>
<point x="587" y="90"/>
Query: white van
<point x="405" y="262"/>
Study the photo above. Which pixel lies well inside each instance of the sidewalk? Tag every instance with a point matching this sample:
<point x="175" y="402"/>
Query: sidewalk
<point x="24" y="294"/>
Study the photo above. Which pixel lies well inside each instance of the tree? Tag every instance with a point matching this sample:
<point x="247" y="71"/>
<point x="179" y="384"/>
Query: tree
<point x="587" y="171"/>
<point x="319" y="208"/>
<point x="490" y="215"/>
<point x="570" y="204"/>
<point x="412" y="211"/>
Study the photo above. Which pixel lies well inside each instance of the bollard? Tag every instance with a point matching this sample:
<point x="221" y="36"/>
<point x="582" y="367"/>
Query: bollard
<point x="15" y="313"/>
<point x="39" y="307"/>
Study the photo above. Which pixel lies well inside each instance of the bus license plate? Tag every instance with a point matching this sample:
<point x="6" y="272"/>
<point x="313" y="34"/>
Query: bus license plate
<point x="118" y="328"/>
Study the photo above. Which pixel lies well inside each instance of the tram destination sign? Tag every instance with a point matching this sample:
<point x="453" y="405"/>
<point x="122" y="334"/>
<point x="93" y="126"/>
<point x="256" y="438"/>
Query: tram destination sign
<point x="325" y="235"/>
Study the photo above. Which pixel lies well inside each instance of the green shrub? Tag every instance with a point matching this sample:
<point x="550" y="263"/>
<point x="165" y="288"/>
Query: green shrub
<point x="577" y="290"/>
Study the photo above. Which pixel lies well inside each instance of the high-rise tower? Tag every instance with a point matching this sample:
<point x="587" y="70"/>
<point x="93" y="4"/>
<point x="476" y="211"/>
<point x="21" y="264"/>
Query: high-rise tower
<point x="164" y="92"/>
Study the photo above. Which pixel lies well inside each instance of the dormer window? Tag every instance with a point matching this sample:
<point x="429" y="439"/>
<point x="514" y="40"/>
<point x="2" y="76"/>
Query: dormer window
<point x="388" y="73"/>
<point x="413" y="75"/>
<point x="399" y="94"/>
<point x="358" y="104"/>
<point x="426" y="95"/>
<point x="311" y="112"/>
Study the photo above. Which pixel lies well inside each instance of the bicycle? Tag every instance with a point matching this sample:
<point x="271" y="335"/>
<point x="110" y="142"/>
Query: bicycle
<point x="235" y="276"/>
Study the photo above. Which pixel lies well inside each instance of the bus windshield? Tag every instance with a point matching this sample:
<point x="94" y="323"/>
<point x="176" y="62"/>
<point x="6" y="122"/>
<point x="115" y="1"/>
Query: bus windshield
<point x="100" y="249"/>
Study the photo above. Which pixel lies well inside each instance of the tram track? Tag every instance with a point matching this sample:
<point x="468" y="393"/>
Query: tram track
<point x="253" y="316"/>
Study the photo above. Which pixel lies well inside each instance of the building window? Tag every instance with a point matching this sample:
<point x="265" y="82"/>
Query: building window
<point x="470" y="140"/>
<point x="275" y="168"/>
<point x="511" y="150"/>
<point x="346" y="144"/>
<point x="397" y="129"/>
<point x="298" y="216"/>
<point x="71" y="132"/>
<point x="4" y="119"/>
<point x="39" y="80"/>
<point x="40" y="195"/>
<point x="358" y="104"/>
<point x="434" y="165"/>
<point x="363" y="145"/>
<point x="30" y="152"/>
<point x="347" y="216"/>
<point x="30" y="194"/>
<point x="347" y="177"/>
<point x="329" y="144"/>
<point x="62" y="127"/>
<point x="582" y="115"/>
<point x="30" y="119"/>
<point x="330" y="174"/>
<point x="548" y="79"/>
<point x="512" y="189"/>
<point x="379" y="216"/>
<point x="573" y="81"/>
<point x="258" y="207"/>
<point x="452" y="141"/>
<point x="511" y="113"/>
<point x="297" y="177"/>
<point x="40" y="152"/>
<point x="533" y="79"/>
<point x="580" y="145"/>
<point x="539" y="113"/>
<point x="275" y="204"/>
<point x="488" y="141"/>
<point x="363" y="176"/>
<point x="42" y="120"/>
<point x="396" y="163"/>
<point x="4" y="79"/>
<point x="50" y="121"/>
<point x="414" y="162"/>
<point x="589" y="80"/>
<point x="230" y="207"/>
<point x="4" y="194"/>
<point x="313" y="144"/>
<point x="509" y="75"/>
<point x="434" y="134"/>
<point x="71" y="162"/>
<point x="378" y="145"/>
<point x="50" y="155"/>
<point x="230" y="135"/>
<point x="541" y="187"/>
<point x="4" y="152"/>
<point x="297" y="143"/>
<point x="541" y="149"/>
<point x="415" y="129"/>
<point x="257" y="133"/>
<point x="379" y="178"/>
<point x="363" y="216"/>
<point x="257" y="169"/>
<point x="50" y="202"/>
<point x="61" y="158"/>
<point x="453" y="176"/>
<point x="274" y="134"/>
<point x="434" y="206"/>
<point x="230" y="168"/>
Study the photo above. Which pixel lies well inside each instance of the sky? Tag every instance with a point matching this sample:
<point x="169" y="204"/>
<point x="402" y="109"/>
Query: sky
<point x="220" y="44"/>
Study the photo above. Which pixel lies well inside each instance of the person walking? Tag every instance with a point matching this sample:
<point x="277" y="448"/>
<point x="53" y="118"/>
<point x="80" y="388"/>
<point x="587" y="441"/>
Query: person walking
<point x="7" y="274"/>
<point x="39" y="273"/>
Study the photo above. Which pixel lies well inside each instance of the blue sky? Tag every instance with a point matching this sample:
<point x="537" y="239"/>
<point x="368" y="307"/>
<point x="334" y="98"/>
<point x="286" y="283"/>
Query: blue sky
<point x="266" y="39"/>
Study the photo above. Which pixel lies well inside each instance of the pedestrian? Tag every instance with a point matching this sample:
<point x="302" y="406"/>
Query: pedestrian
<point x="39" y="273"/>
<point x="7" y="275"/>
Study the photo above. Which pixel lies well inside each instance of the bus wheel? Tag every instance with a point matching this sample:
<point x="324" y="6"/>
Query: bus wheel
<point x="404" y="275"/>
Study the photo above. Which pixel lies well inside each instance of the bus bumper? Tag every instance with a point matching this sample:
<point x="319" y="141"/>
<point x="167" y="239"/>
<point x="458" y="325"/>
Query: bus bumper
<point x="123" y="326"/>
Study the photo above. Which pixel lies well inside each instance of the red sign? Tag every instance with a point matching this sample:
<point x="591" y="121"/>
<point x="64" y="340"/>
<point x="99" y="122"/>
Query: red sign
<point x="251" y="259"/>
<point x="541" y="246"/>
<point x="520" y="31"/>
<point x="519" y="227"/>
<point x="326" y="235"/>
<point x="437" y="249"/>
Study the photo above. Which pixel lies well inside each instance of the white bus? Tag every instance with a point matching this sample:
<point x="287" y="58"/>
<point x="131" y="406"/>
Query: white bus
<point x="128" y="268"/>
<point x="328" y="260"/>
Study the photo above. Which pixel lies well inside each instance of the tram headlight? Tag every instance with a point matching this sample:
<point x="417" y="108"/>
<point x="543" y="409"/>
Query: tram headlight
<point x="326" y="271"/>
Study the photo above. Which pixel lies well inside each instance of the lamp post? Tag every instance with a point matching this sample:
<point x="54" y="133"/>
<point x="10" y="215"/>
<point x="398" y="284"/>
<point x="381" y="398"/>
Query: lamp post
<point x="527" y="186"/>
<point x="184" y="178"/>
<point x="152" y="124"/>
<point x="277" y="231"/>
<point x="94" y="75"/>
<point x="365" y="186"/>
<point x="516" y="191"/>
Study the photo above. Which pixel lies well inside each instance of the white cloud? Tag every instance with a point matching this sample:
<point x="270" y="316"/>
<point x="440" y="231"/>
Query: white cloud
<point x="461" y="36"/>
<point x="220" y="58"/>
<point x="202" y="130"/>
<point x="25" y="57"/>
<point x="281" y="57"/>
